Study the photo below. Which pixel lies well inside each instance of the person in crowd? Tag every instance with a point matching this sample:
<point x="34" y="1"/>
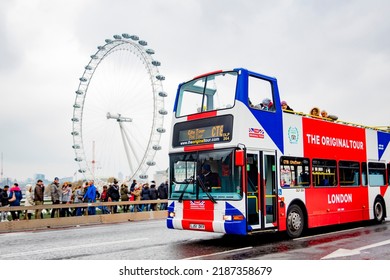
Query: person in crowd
<point x="285" y="106"/>
<point x="209" y="178"/>
<point x="315" y="112"/>
<point x="29" y="201"/>
<point x="39" y="194"/>
<point x="163" y="194"/>
<point x="65" y="198"/>
<point x="153" y="194"/>
<point x="78" y="198"/>
<point x="14" y="197"/>
<point x="145" y="195"/>
<point x="137" y="197"/>
<point x="90" y="197"/>
<point x="4" y="203"/>
<point x="55" y="195"/>
<point x="125" y="197"/>
<point x="113" y="195"/>
<point x="104" y="198"/>
<point x="132" y="186"/>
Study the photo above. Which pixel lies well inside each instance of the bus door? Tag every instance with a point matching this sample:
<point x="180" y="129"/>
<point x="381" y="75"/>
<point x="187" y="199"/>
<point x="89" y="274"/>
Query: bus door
<point x="269" y="188"/>
<point x="261" y="189"/>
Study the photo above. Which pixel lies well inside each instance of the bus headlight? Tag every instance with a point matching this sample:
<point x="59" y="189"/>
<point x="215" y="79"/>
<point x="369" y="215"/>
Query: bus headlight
<point x="171" y="214"/>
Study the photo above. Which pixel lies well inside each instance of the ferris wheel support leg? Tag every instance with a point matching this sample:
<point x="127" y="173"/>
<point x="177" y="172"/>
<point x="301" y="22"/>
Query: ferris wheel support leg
<point x="126" y="143"/>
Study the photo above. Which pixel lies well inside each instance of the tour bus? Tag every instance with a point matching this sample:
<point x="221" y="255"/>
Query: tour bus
<point x="273" y="170"/>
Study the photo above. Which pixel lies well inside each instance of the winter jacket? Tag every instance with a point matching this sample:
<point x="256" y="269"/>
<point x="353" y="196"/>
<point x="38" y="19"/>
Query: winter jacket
<point x="18" y="194"/>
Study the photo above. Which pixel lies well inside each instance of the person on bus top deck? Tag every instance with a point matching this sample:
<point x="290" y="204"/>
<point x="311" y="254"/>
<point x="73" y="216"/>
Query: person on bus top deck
<point x="285" y="106"/>
<point x="315" y="112"/>
<point x="266" y="105"/>
<point x="325" y="115"/>
<point x="209" y="178"/>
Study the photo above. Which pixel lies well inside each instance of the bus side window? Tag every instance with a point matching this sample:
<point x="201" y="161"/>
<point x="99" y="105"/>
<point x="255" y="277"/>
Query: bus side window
<point x="260" y="94"/>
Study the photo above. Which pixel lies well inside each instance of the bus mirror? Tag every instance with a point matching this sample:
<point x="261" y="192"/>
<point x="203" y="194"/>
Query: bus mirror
<point x="239" y="158"/>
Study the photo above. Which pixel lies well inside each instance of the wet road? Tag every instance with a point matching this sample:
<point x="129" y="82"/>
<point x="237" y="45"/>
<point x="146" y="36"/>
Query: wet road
<point x="150" y="240"/>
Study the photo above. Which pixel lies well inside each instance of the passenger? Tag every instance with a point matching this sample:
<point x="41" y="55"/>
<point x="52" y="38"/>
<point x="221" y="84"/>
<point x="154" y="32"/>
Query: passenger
<point x="325" y="115"/>
<point x="266" y="105"/>
<point x="285" y="106"/>
<point x="28" y="201"/>
<point x="315" y="112"/>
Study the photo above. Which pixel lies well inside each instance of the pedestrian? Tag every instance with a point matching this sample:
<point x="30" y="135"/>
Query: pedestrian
<point x="137" y="197"/>
<point x="125" y="197"/>
<point x="39" y="194"/>
<point x="133" y="185"/>
<point x="78" y="198"/>
<point x="55" y="195"/>
<point x="90" y="197"/>
<point x="145" y="195"/>
<point x="65" y="198"/>
<point x="163" y="194"/>
<point x="4" y="203"/>
<point x="104" y="198"/>
<point x="14" y="197"/>
<point x="29" y="201"/>
<point x="153" y="195"/>
<point x="113" y="195"/>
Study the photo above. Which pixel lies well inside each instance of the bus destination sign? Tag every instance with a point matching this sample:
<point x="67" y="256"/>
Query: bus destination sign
<point x="204" y="131"/>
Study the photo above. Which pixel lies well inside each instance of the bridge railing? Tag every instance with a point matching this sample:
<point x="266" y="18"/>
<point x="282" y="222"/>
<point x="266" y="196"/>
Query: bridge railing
<point x="99" y="218"/>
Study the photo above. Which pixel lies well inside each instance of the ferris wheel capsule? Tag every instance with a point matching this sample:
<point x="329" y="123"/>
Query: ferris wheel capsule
<point x="163" y="94"/>
<point x="150" y="51"/>
<point x="117" y="37"/>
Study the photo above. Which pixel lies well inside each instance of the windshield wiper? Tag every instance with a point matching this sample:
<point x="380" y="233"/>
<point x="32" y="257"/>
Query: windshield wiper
<point x="203" y="187"/>
<point x="187" y="181"/>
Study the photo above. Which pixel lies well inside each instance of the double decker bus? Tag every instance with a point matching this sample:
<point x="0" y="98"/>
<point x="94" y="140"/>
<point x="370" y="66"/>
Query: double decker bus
<point x="272" y="170"/>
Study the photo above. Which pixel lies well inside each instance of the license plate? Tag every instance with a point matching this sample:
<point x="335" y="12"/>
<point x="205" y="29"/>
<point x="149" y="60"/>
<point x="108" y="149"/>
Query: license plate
<point x="197" y="226"/>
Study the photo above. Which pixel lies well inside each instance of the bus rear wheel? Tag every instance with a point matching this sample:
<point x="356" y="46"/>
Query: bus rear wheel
<point x="295" y="221"/>
<point x="379" y="211"/>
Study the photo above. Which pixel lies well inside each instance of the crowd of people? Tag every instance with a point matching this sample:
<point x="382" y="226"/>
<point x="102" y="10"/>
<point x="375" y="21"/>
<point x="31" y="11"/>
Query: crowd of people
<point x="85" y="193"/>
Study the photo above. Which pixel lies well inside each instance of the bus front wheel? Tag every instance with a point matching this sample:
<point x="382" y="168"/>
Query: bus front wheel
<point x="379" y="211"/>
<point x="295" y="221"/>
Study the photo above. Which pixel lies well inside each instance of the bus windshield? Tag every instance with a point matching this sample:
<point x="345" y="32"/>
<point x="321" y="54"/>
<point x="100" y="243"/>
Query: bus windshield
<point x="209" y="175"/>
<point x="207" y="93"/>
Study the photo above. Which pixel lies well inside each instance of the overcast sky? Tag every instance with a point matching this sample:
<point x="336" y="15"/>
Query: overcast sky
<point x="330" y="54"/>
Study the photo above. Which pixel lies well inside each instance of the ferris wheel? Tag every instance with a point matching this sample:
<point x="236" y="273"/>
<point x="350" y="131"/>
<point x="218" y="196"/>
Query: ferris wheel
<point x="118" y="113"/>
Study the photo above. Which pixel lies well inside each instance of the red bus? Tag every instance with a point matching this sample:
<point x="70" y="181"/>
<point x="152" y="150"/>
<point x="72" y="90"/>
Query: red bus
<point x="240" y="164"/>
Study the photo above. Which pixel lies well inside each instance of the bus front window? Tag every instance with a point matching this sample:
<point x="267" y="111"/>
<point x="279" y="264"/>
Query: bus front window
<point x="205" y="175"/>
<point x="213" y="92"/>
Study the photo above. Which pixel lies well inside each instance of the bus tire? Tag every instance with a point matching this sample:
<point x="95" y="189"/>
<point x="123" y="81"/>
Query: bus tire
<point x="295" y="221"/>
<point x="379" y="210"/>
